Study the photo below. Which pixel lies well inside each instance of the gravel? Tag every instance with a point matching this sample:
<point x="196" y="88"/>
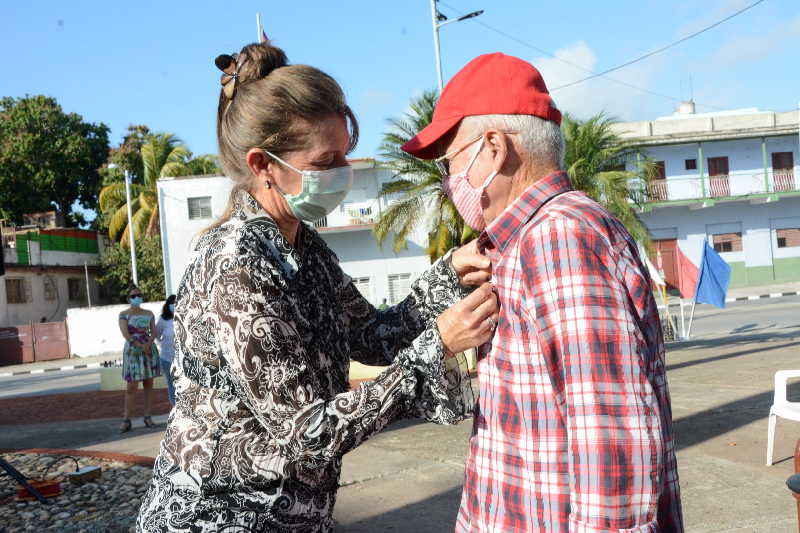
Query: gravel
<point x="108" y="504"/>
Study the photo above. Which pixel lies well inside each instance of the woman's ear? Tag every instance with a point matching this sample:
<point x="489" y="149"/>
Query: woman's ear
<point x="260" y="165"/>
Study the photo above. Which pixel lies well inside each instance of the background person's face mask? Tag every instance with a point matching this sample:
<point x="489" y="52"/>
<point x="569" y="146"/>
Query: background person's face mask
<point x="467" y="198"/>
<point x="322" y="190"/>
<point x="136" y="301"/>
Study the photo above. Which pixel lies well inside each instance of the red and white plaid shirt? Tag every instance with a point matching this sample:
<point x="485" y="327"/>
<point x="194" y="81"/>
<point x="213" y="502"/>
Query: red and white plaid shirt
<point x="573" y="426"/>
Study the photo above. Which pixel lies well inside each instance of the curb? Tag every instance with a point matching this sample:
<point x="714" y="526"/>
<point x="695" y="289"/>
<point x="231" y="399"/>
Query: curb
<point x="140" y="460"/>
<point x="742" y="298"/>
<point x="762" y="296"/>
<point x="52" y="369"/>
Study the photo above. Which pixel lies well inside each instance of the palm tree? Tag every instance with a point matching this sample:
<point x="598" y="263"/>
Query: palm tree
<point x="422" y="203"/>
<point x="163" y="155"/>
<point x="594" y="158"/>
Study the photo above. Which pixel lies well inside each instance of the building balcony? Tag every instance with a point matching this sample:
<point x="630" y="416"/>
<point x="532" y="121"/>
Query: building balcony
<point x="355" y="216"/>
<point x="731" y="186"/>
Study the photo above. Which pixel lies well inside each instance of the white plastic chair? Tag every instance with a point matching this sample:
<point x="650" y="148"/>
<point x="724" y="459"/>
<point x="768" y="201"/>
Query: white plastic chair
<point x="781" y="407"/>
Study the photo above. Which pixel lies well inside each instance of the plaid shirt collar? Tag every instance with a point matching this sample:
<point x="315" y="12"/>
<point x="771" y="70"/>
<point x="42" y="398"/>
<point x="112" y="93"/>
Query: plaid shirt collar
<point x="502" y="230"/>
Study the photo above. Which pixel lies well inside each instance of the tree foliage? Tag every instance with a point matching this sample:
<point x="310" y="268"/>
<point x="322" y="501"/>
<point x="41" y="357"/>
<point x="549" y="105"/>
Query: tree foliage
<point x="49" y="159"/>
<point x="594" y="158"/>
<point x="420" y="203"/>
<point x="116" y="270"/>
<point x="157" y="156"/>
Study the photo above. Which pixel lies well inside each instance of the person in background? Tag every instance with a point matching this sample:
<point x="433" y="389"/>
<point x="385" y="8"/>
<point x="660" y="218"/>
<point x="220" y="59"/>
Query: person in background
<point x="165" y="335"/>
<point x="139" y="357"/>
<point x="384" y="306"/>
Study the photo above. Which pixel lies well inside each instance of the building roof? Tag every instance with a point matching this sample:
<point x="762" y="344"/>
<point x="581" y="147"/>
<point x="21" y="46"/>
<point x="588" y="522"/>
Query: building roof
<point x="362" y="163"/>
<point x="698" y="127"/>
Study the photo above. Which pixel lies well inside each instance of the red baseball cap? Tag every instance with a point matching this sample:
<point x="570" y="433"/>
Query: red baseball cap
<point x="490" y="84"/>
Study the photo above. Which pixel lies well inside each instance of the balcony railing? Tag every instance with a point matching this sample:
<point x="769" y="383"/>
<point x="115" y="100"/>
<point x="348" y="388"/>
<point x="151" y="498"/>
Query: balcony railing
<point x="351" y="215"/>
<point x="720" y="186"/>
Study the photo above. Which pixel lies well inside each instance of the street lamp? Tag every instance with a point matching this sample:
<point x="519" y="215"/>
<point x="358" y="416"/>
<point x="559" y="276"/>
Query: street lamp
<point x="440" y="20"/>
<point x="131" y="240"/>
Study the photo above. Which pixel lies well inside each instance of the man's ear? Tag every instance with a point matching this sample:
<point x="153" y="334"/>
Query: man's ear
<point x="498" y="142"/>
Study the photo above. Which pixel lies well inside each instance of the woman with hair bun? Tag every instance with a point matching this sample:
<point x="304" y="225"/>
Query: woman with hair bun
<point x="267" y="322"/>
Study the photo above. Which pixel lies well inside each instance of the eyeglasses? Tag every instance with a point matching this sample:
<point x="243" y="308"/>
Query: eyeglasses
<point x="443" y="163"/>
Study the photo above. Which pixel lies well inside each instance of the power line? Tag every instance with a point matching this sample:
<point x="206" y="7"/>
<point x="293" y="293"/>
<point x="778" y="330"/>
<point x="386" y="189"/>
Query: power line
<point x="575" y="65"/>
<point x="659" y="50"/>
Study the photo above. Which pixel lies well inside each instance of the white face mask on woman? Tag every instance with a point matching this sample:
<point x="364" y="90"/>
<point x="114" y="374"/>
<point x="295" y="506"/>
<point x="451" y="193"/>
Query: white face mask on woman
<point x="322" y="190"/>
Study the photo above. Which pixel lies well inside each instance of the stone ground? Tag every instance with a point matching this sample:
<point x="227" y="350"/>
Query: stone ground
<point x="108" y="504"/>
<point x="408" y="478"/>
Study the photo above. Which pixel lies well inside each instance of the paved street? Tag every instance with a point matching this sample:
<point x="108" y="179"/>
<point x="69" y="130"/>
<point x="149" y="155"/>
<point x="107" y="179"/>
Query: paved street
<point x="408" y="478"/>
<point x="739" y="317"/>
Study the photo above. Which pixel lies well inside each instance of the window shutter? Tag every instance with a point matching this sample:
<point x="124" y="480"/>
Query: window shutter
<point x="399" y="287"/>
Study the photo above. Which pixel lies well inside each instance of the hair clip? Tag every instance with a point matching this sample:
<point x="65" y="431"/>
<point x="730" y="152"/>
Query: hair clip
<point x="227" y="64"/>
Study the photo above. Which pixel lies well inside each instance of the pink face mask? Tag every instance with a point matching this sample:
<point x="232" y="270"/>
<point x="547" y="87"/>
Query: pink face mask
<point x="467" y="198"/>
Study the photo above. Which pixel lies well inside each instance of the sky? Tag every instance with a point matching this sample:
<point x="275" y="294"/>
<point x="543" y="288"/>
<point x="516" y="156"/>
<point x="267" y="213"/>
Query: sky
<point x="151" y="62"/>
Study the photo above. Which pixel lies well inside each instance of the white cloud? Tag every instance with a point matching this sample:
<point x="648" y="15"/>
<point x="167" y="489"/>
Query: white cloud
<point x="592" y="96"/>
<point x="759" y="45"/>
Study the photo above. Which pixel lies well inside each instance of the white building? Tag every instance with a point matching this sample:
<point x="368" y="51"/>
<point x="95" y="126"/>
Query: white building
<point x="47" y="272"/>
<point x="731" y="177"/>
<point x="190" y="204"/>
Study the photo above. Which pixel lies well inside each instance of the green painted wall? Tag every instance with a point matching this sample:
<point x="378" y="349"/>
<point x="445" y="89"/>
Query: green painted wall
<point x="787" y="268"/>
<point x="760" y="275"/>
<point x="738" y="274"/>
<point x="784" y="269"/>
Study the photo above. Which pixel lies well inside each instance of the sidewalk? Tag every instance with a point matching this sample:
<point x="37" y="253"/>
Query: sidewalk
<point x="72" y="363"/>
<point x="409" y="477"/>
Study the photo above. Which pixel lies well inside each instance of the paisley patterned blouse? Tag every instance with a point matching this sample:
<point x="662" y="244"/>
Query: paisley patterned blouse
<point x="264" y="334"/>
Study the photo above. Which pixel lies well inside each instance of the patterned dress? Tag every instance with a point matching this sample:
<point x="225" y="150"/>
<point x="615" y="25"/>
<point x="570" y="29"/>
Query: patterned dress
<point x="264" y="334"/>
<point x="136" y="365"/>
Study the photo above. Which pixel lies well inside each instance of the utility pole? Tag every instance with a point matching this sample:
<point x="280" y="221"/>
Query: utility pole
<point x="131" y="239"/>
<point x="438" y="20"/>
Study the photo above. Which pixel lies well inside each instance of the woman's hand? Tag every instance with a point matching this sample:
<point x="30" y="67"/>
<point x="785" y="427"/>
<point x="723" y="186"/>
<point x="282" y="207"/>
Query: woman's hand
<point x="471" y="266"/>
<point x="470" y="322"/>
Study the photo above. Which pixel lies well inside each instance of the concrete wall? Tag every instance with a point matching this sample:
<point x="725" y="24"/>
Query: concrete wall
<point x="95" y="330"/>
<point x="760" y="260"/>
<point x="38" y="307"/>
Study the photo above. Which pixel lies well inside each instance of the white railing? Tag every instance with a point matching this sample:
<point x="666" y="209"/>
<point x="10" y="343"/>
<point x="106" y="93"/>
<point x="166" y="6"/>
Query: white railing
<point x="720" y="186"/>
<point x="783" y="181"/>
<point x="351" y="214"/>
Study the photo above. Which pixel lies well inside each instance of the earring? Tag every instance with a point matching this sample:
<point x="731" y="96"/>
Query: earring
<point x="267" y="184"/>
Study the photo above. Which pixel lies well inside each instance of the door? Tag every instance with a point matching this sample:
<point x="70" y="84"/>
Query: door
<point x="50" y="341"/>
<point x="718" y="176"/>
<point x="783" y="171"/>
<point x="658" y="185"/>
<point x="666" y="260"/>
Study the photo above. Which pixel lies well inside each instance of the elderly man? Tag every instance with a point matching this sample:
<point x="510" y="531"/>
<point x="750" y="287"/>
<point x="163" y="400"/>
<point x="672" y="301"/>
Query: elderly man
<point x="573" y="428"/>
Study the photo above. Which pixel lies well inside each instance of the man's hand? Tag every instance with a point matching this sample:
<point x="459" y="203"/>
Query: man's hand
<point x="472" y="267"/>
<point x="470" y="322"/>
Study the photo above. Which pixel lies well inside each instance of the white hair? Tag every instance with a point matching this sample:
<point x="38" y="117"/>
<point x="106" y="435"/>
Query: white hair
<point x="540" y="139"/>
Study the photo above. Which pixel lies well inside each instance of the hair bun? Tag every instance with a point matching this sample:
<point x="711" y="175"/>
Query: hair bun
<point x="257" y="60"/>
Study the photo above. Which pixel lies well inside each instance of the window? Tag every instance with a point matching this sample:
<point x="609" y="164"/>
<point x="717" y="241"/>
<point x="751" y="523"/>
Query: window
<point x="727" y="242"/>
<point x="199" y="207"/>
<point x="364" y="287"/>
<point x="50" y="289"/>
<point x="16" y="291"/>
<point x="782" y="161"/>
<point x="399" y="287"/>
<point x="788" y="238"/>
<point x="690" y="164"/>
<point x="77" y="289"/>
